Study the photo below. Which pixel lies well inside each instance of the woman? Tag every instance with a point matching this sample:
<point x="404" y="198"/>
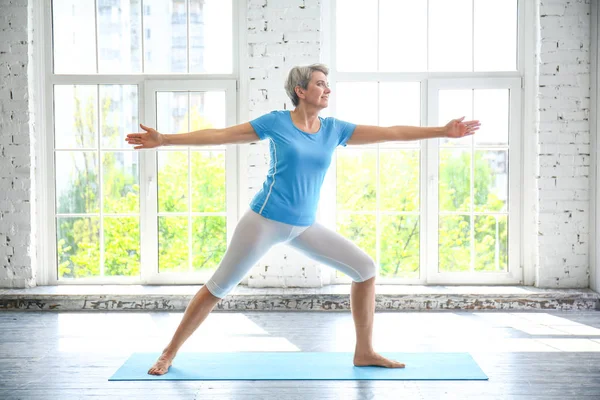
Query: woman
<point x="301" y="146"/>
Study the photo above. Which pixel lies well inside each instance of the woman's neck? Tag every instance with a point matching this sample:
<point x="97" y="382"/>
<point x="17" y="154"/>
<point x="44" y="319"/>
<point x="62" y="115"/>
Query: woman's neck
<point x="307" y="120"/>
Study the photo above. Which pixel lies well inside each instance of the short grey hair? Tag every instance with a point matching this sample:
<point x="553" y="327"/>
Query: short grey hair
<point x="300" y="76"/>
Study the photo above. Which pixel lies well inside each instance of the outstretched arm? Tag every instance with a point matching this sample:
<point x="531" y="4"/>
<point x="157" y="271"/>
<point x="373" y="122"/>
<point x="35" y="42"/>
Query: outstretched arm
<point x="365" y="134"/>
<point x="243" y="133"/>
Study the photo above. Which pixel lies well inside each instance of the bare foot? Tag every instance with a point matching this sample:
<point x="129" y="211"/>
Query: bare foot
<point x="376" y="360"/>
<point x="161" y="366"/>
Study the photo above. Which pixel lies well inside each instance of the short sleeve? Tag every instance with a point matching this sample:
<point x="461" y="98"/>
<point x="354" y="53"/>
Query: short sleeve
<point x="263" y="125"/>
<point x="345" y="131"/>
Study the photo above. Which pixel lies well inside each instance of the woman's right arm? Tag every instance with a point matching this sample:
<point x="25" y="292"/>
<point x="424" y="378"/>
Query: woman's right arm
<point x="237" y="134"/>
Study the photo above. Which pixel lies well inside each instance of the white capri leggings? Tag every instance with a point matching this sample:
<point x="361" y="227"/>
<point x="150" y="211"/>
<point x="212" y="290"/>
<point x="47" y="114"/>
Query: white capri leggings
<point x="254" y="235"/>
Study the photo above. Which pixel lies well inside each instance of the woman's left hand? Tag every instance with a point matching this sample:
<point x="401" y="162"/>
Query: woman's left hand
<point x="457" y="128"/>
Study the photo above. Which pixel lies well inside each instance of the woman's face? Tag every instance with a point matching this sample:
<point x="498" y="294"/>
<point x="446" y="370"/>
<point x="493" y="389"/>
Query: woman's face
<point x="317" y="93"/>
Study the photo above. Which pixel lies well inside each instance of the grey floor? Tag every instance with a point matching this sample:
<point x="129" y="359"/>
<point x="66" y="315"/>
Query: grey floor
<point x="527" y="355"/>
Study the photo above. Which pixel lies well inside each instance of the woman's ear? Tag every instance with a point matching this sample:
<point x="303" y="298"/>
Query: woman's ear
<point x="299" y="92"/>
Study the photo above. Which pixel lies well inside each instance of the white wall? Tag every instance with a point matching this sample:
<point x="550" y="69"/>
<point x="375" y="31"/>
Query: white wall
<point x="278" y="29"/>
<point x="281" y="34"/>
<point x="563" y="139"/>
<point x="17" y="234"/>
<point x="594" y="142"/>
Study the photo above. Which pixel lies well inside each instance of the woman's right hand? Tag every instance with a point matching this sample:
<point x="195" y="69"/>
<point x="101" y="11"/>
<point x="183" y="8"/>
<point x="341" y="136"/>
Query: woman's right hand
<point x="152" y="138"/>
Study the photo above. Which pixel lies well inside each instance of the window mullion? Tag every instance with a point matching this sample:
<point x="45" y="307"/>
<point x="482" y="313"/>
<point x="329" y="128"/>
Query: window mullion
<point x="142" y="36"/>
<point x="377" y="189"/>
<point x="96" y="33"/>
<point x="187" y="5"/>
<point x="100" y="191"/>
<point x="472" y="188"/>
<point x="189" y="212"/>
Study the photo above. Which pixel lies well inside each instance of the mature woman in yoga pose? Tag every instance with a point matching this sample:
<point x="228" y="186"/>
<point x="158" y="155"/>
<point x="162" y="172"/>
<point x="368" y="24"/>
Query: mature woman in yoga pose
<point x="283" y="211"/>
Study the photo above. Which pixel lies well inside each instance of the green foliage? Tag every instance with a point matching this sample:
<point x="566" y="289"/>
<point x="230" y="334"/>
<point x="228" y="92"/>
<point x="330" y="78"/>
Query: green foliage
<point x="399" y="230"/>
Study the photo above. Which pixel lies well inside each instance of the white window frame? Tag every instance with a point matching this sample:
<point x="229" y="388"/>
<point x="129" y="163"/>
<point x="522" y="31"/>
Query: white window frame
<point x="149" y="180"/>
<point x="44" y="80"/>
<point x="515" y="273"/>
<point x="521" y="264"/>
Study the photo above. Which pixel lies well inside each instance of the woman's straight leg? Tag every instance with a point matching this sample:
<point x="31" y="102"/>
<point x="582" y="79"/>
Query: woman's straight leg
<point x="253" y="237"/>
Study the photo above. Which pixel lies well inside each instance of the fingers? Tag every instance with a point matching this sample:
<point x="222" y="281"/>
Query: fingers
<point x="471" y="131"/>
<point x="135" y="138"/>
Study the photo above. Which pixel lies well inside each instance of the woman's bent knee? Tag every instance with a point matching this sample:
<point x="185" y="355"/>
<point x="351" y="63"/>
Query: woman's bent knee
<point x="367" y="271"/>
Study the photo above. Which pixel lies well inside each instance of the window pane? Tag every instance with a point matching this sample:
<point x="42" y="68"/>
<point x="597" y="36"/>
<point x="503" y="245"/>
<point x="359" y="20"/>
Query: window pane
<point x="165" y="37"/>
<point x="450" y="35"/>
<point x="399" y="246"/>
<point x="172" y="110"/>
<point x="454" y="243"/>
<point x="77" y="182"/>
<point x="402" y="35"/>
<point x="122" y="246"/>
<point x="455" y="180"/>
<point x="209" y="242"/>
<point x="119" y="36"/>
<point x="173" y="244"/>
<point x="491" y="180"/>
<point x="399" y="103"/>
<point x="211" y="36"/>
<point x="78" y="247"/>
<point x="119" y="116"/>
<point x="120" y="182"/>
<point x="495" y="35"/>
<point x="75" y="116"/>
<point x="399" y="180"/>
<point x="172" y="181"/>
<point x="74" y="36"/>
<point x="358" y="112"/>
<point x="491" y="243"/>
<point x="492" y="109"/>
<point x="208" y="181"/>
<point x="356" y="180"/>
<point x="207" y="111"/>
<point x="455" y="104"/>
<point x="356" y="35"/>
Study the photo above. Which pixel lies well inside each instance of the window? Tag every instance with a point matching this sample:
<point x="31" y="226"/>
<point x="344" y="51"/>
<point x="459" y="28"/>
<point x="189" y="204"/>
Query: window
<point x="129" y="216"/>
<point x="439" y="210"/>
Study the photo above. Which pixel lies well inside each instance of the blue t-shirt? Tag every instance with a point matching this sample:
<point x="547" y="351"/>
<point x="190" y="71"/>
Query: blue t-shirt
<point x="299" y="161"/>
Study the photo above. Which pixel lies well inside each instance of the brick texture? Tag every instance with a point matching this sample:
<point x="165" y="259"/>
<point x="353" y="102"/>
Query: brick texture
<point x="17" y="235"/>
<point x="563" y="139"/>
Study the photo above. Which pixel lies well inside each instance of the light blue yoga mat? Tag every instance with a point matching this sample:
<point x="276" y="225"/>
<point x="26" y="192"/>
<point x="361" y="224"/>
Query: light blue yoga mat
<point x="300" y="366"/>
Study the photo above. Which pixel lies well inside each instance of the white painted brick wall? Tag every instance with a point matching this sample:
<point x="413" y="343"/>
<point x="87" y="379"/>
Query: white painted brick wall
<point x="17" y="235"/>
<point x="563" y="137"/>
<point x="281" y="34"/>
<point x="563" y="144"/>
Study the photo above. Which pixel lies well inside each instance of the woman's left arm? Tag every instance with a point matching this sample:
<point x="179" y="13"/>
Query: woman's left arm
<point x="365" y="134"/>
